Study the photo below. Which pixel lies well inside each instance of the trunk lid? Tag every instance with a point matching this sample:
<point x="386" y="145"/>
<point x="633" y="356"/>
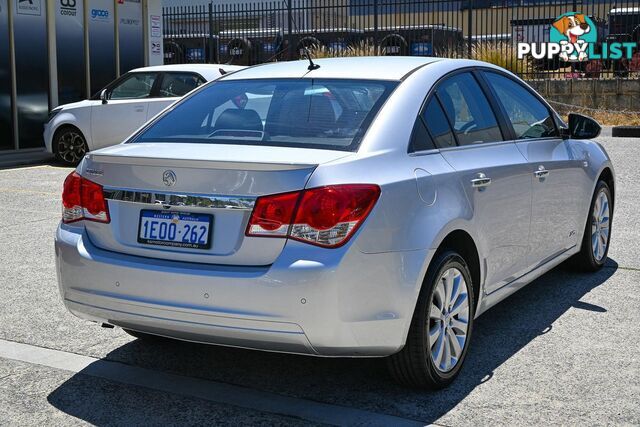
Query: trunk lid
<point x="218" y="180"/>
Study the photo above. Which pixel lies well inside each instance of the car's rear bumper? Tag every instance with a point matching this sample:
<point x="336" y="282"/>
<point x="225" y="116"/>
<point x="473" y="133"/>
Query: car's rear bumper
<point x="311" y="300"/>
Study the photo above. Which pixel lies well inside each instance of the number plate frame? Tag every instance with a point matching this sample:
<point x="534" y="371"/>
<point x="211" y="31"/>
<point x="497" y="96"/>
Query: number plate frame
<point x="176" y="244"/>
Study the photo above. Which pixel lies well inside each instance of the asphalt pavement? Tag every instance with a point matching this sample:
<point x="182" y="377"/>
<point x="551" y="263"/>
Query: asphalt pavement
<point x="564" y="350"/>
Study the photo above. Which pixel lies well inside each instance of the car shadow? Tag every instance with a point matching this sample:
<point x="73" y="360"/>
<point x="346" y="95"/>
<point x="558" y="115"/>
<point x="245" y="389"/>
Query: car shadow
<point x="360" y="383"/>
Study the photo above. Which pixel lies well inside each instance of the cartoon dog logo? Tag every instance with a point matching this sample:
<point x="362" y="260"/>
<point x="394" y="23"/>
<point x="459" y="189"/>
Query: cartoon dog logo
<point x="573" y="27"/>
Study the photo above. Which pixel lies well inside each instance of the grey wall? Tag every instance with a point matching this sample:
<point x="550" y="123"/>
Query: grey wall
<point x="31" y="70"/>
<point x="70" y="50"/>
<point x="102" y="39"/>
<point x="6" y="125"/>
<point x="131" y="36"/>
<point x="609" y="94"/>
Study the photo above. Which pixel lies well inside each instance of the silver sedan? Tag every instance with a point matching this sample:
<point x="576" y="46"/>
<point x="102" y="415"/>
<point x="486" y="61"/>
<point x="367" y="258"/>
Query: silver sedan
<point x="347" y="207"/>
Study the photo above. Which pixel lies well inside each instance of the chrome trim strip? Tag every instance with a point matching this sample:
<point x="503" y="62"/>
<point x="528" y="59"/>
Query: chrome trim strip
<point x="168" y="200"/>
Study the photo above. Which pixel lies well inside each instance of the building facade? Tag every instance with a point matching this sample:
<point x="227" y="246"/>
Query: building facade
<point x="54" y="52"/>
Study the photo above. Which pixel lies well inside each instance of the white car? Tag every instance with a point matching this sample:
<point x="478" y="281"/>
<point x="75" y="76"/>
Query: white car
<point x="114" y="113"/>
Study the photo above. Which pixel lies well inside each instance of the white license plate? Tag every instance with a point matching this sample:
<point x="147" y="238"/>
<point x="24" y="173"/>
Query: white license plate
<point x="175" y="229"/>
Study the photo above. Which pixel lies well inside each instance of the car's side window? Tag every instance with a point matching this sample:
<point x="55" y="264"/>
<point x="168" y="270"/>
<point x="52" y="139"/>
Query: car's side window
<point x="529" y="117"/>
<point x="179" y="84"/>
<point x="137" y="85"/>
<point x="438" y="125"/>
<point x="468" y="110"/>
<point x="420" y="138"/>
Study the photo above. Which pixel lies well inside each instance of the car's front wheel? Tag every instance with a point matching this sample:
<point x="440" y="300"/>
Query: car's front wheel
<point x="69" y="146"/>
<point x="597" y="232"/>
<point x="441" y="327"/>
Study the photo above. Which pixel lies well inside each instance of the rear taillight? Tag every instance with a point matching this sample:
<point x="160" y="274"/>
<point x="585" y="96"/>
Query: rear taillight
<point x="83" y="199"/>
<point x="323" y="216"/>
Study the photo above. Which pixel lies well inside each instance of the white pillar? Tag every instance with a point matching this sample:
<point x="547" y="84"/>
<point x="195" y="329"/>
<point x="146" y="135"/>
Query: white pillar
<point x="53" y="55"/>
<point x="153" y="43"/>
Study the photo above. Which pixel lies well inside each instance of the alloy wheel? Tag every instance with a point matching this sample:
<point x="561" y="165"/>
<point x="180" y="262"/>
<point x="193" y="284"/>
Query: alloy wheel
<point x="448" y="320"/>
<point x="600" y="226"/>
<point x="71" y="147"/>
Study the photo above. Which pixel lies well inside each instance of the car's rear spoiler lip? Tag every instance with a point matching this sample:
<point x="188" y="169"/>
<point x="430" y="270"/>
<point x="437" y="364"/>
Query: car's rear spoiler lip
<point x="198" y="163"/>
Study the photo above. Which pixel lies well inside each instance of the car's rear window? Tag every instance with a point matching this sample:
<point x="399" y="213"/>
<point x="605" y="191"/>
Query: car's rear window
<point x="309" y="113"/>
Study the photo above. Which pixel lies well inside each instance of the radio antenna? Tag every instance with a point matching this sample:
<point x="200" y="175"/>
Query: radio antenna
<point x="312" y="65"/>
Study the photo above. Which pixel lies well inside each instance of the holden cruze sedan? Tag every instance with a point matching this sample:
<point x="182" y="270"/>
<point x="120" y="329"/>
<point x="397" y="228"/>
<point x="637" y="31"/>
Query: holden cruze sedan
<point x="123" y="106"/>
<point x="351" y="207"/>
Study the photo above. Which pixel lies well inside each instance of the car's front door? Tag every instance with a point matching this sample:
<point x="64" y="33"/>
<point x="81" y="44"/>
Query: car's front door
<point x="556" y="169"/>
<point x="124" y="112"/>
<point x="493" y="173"/>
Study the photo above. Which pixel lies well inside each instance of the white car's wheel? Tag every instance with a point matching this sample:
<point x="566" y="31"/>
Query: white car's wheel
<point x="69" y="145"/>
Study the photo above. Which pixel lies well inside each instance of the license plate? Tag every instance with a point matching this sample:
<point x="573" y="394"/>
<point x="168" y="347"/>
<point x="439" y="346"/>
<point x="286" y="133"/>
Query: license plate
<point x="175" y="229"/>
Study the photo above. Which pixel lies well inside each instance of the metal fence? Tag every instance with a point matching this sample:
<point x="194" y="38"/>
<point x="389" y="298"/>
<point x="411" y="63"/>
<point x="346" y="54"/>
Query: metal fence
<point x="256" y="32"/>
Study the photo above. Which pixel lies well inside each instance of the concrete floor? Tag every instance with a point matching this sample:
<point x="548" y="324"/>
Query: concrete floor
<point x="564" y="350"/>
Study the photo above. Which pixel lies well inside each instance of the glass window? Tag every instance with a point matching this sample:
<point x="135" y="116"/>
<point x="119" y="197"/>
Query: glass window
<point x="438" y="125"/>
<point x="468" y="110"/>
<point x="529" y="117"/>
<point x="136" y="85"/>
<point x="312" y="113"/>
<point x="179" y="84"/>
<point x="420" y="138"/>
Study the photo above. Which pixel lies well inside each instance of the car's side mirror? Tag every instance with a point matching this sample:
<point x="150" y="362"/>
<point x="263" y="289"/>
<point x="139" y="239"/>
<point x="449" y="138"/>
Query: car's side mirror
<point x="581" y="127"/>
<point x="104" y="96"/>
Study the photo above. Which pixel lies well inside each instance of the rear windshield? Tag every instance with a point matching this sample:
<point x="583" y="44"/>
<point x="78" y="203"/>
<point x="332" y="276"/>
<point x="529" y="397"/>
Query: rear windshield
<point x="308" y="113"/>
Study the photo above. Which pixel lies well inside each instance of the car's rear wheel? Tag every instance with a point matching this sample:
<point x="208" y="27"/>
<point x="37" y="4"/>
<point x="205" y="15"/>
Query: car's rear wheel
<point x="441" y="327"/>
<point x="597" y="233"/>
<point x="69" y="146"/>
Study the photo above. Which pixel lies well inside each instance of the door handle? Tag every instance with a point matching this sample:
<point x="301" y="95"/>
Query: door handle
<point x="139" y="108"/>
<point x="541" y="172"/>
<point x="481" y="181"/>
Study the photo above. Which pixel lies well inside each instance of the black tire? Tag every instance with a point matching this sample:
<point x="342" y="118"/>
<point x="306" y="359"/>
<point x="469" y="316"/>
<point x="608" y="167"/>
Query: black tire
<point x="585" y="260"/>
<point x="69" y="145"/>
<point x="413" y="365"/>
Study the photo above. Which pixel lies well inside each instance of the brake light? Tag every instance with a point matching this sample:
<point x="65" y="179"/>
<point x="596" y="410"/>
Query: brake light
<point x="272" y="215"/>
<point x="83" y="199"/>
<point x="324" y="216"/>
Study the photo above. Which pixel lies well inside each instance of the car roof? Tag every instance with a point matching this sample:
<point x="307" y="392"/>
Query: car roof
<point x="208" y="71"/>
<point x="364" y="67"/>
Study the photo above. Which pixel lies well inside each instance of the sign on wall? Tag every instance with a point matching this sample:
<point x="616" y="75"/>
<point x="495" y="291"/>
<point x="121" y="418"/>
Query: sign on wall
<point x="32" y="70"/>
<point x="155" y="39"/>
<point x="70" y="50"/>
<point x="29" y="7"/>
<point x="131" y="35"/>
<point x="101" y="43"/>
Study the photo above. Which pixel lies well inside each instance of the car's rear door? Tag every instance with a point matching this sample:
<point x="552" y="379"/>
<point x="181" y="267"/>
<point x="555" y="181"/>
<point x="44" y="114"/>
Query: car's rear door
<point x="125" y="110"/>
<point x="171" y="87"/>
<point x="493" y="173"/>
<point x="556" y="168"/>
